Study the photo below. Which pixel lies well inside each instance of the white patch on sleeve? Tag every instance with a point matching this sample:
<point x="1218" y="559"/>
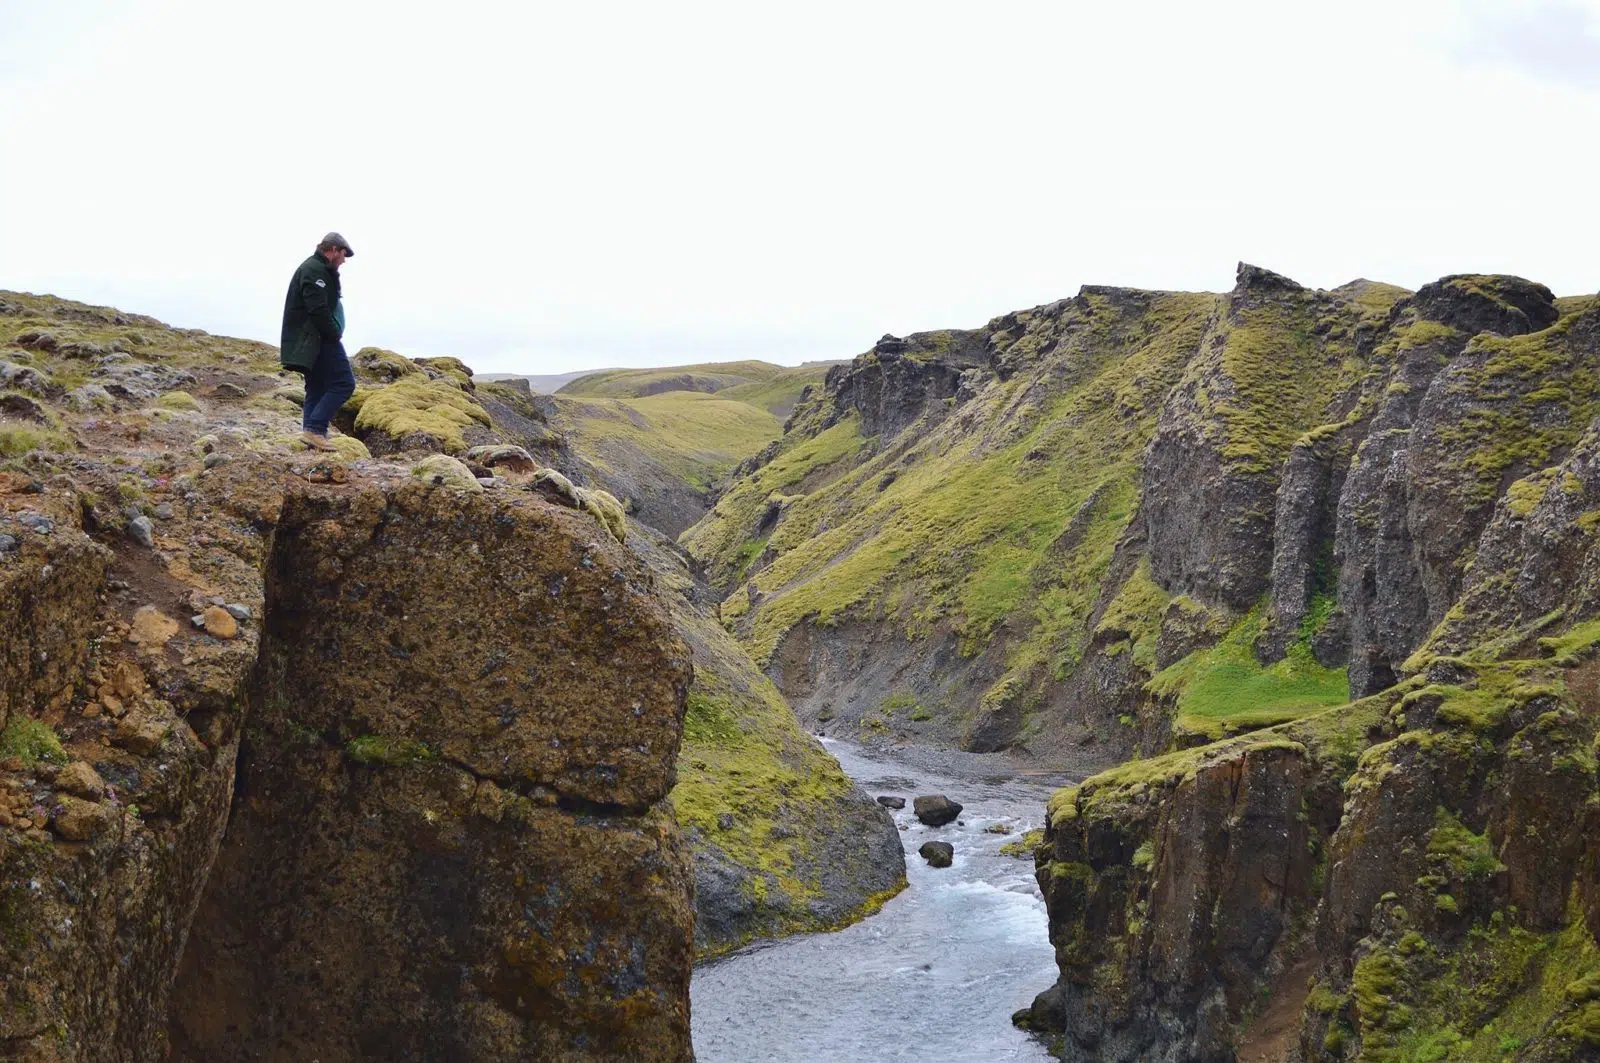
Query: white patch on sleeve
<point x="322" y="284"/>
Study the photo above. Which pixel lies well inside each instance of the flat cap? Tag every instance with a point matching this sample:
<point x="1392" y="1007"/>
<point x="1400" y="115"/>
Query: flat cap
<point x="335" y="240"/>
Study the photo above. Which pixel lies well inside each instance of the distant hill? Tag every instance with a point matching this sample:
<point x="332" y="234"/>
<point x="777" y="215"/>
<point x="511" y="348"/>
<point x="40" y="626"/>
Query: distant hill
<point x="543" y="384"/>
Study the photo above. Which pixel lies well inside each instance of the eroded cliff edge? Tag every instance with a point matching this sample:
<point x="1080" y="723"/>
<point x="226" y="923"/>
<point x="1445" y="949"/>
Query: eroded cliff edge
<point x="1412" y="875"/>
<point x="455" y="718"/>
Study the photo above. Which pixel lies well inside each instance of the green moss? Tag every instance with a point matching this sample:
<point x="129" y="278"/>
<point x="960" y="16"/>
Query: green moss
<point x="779" y="393"/>
<point x="1144" y="857"/>
<point x="1496" y="990"/>
<point x="435" y="408"/>
<point x="1576" y="642"/>
<point x="451" y="367"/>
<point x="709" y="721"/>
<point x="1463" y="854"/>
<point x="1025" y="846"/>
<point x="604" y="507"/>
<point x="32" y="740"/>
<point x="1135" y="613"/>
<point x="1525" y="493"/>
<point x="1281" y="380"/>
<point x="1227" y="687"/>
<point x="178" y="400"/>
<point x="1525" y="398"/>
<point x="745" y="755"/>
<point x="387" y="750"/>
<point x="384" y="364"/>
<point x="17" y="440"/>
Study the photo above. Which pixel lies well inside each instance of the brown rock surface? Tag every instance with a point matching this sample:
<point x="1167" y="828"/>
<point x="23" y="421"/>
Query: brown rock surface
<point x="218" y="623"/>
<point x="80" y="778"/>
<point x="464" y="718"/>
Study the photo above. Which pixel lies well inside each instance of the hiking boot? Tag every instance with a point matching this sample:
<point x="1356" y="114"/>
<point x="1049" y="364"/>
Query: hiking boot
<point x="316" y="442"/>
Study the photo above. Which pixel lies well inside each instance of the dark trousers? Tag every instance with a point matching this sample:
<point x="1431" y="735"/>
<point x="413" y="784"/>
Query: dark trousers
<point x="328" y="385"/>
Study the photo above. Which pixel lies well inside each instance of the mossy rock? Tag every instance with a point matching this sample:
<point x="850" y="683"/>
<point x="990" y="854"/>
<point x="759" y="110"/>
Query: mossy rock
<point x="387" y="750"/>
<point x="556" y="488"/>
<point x="442" y="470"/>
<point x="604" y="507"/>
<point x="347" y="447"/>
<point x="17" y="440"/>
<point x="386" y="366"/>
<point x="181" y="400"/>
<point x="451" y="368"/>
<point x="418" y="413"/>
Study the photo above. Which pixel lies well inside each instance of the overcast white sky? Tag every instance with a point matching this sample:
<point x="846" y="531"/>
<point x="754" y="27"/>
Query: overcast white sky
<point x="550" y="186"/>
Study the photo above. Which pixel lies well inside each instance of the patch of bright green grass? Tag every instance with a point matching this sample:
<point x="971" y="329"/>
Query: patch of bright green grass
<point x="1226" y="687"/>
<point x="778" y="393"/>
<point x="31" y="740"/>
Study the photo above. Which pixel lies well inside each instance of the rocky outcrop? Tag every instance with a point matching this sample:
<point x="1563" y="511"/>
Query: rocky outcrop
<point x="1198" y="526"/>
<point x="1163" y="945"/>
<point x="451" y="776"/>
<point x="900" y="380"/>
<point x="447" y="836"/>
<point x="438" y="778"/>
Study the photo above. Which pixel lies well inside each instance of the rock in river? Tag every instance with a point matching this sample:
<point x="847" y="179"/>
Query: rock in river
<point x="937" y="854"/>
<point x="936" y="809"/>
<point x="891" y="802"/>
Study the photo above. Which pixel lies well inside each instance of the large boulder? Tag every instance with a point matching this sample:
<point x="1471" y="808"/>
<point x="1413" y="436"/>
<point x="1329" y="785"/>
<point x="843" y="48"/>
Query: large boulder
<point x="935" y="809"/>
<point x="452" y="843"/>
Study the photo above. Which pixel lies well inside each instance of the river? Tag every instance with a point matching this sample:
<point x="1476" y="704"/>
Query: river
<point x="935" y="975"/>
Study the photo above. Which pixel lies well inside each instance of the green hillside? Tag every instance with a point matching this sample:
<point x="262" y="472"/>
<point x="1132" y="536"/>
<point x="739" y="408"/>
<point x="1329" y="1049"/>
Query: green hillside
<point x="634" y="383"/>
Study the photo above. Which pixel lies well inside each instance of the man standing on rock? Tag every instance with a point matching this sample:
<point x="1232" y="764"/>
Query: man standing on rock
<point x="313" y="325"/>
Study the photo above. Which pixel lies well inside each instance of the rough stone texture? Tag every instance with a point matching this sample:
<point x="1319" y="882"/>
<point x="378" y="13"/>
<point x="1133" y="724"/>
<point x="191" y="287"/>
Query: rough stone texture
<point x="782" y="839"/>
<point x="441" y="585"/>
<point x="1170" y="985"/>
<point x="900" y="380"/>
<point x="91" y="926"/>
<point x="47" y="593"/>
<point x="1208" y="517"/>
<point x="1303" y="532"/>
<point x="465" y="716"/>
<point x="936" y="810"/>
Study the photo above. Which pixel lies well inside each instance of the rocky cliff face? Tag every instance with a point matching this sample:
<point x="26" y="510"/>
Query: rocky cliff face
<point x="379" y="754"/>
<point x="460" y="731"/>
<point x="1192" y="525"/>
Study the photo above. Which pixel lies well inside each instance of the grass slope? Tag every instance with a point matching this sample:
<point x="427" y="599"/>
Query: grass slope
<point x="696" y="438"/>
<point x="1015" y="520"/>
<point x="759" y="791"/>
<point x="635" y="383"/>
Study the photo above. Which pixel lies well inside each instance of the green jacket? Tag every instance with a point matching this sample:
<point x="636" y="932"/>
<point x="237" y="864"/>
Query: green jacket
<point x="308" y="313"/>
